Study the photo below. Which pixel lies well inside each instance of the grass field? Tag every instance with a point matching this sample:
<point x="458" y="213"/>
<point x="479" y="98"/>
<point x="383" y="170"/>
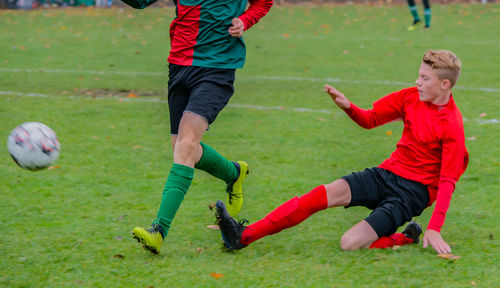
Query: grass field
<point x="98" y="78"/>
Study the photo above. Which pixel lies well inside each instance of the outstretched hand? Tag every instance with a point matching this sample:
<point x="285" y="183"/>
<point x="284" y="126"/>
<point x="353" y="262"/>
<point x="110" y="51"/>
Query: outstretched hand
<point x="237" y="28"/>
<point x="437" y="242"/>
<point x="337" y="97"/>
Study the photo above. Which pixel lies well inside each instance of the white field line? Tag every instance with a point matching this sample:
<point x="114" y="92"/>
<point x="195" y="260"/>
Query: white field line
<point x="265" y="78"/>
<point x="241" y="106"/>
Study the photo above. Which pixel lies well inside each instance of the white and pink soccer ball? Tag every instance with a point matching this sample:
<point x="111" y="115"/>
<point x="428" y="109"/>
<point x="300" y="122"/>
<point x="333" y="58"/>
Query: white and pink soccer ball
<point x="33" y="145"/>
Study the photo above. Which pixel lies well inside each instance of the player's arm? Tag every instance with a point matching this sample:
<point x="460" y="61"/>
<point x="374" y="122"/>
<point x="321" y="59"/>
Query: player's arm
<point x="453" y="164"/>
<point x="386" y="109"/>
<point x="139" y="4"/>
<point x="256" y="10"/>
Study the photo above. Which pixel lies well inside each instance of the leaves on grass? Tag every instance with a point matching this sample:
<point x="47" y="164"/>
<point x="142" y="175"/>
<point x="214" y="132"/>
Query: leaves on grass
<point x="449" y="256"/>
<point x="216" y="275"/>
<point x="199" y="250"/>
<point x="482" y="115"/>
<point x="121" y="217"/>
<point x="53" y="167"/>
<point x="388" y="133"/>
<point x="119" y="256"/>
<point x="211" y="206"/>
<point x="132" y="95"/>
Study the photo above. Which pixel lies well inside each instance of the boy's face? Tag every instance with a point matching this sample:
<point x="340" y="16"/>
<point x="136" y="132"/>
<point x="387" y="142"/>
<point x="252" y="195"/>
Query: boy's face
<point x="430" y="87"/>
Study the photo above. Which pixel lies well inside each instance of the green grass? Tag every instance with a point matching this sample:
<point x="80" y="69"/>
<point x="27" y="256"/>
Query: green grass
<point x="70" y="226"/>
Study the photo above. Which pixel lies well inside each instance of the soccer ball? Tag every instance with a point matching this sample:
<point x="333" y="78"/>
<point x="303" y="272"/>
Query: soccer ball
<point x="33" y="145"/>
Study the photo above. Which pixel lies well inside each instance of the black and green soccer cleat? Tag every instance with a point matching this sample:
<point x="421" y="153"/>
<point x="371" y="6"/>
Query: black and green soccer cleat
<point x="150" y="238"/>
<point x="230" y="230"/>
<point x="235" y="189"/>
<point x="413" y="231"/>
<point x="414" y="25"/>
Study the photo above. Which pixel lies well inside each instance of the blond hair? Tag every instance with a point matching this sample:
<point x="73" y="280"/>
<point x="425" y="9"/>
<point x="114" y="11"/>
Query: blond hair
<point x="445" y="63"/>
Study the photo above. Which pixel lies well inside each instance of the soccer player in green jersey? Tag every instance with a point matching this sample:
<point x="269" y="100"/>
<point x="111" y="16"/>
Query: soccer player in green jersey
<point x="206" y="49"/>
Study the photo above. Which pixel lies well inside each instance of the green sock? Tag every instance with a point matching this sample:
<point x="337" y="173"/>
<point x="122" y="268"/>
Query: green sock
<point x="414" y="12"/>
<point x="177" y="184"/>
<point x="216" y="165"/>
<point x="427" y="17"/>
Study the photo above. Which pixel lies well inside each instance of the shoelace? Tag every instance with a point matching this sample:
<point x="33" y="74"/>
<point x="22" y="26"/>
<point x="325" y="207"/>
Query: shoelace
<point x="242" y="222"/>
<point x="154" y="228"/>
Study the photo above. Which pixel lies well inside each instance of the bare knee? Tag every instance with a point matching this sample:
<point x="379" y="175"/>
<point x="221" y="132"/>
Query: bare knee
<point x="359" y="236"/>
<point x="349" y="242"/>
<point x="185" y="150"/>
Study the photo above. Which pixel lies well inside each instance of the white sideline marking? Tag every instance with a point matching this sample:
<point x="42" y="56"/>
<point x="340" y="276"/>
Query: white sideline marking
<point x="274" y="78"/>
<point x="243" y="106"/>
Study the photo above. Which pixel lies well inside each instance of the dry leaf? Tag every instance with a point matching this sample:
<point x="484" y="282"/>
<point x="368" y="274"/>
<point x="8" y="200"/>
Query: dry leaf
<point x="132" y="95"/>
<point x="199" y="250"/>
<point x="213" y="227"/>
<point x="54" y="167"/>
<point x="211" y="206"/>
<point x="216" y="275"/>
<point x="119" y="256"/>
<point x="389" y="132"/>
<point x="286" y="35"/>
<point x="449" y="256"/>
<point x="121" y="217"/>
<point x="137" y="147"/>
<point x="482" y="115"/>
<point x="321" y="119"/>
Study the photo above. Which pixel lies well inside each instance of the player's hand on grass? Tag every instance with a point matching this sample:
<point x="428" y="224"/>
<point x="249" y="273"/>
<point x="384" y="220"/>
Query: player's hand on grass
<point x="437" y="242"/>
<point x="237" y="28"/>
<point x="337" y="97"/>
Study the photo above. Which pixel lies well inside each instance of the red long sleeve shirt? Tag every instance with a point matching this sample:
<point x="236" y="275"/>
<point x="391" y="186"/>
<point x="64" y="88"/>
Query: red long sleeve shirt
<point x="432" y="148"/>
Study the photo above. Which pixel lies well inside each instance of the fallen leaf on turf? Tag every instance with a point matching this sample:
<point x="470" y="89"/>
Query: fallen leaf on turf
<point x="321" y="119"/>
<point x="213" y="227"/>
<point x="137" y="147"/>
<point x="482" y="115"/>
<point x="449" y="256"/>
<point x="396" y="247"/>
<point x="121" y="217"/>
<point x="216" y="275"/>
<point x="54" y="167"/>
<point x="199" y="250"/>
<point x="132" y="95"/>
<point x="211" y="206"/>
<point x="119" y="256"/>
<point x="389" y="133"/>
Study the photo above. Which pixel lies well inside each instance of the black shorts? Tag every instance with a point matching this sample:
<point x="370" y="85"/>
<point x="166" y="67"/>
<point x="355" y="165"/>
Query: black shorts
<point x="393" y="199"/>
<point x="200" y="90"/>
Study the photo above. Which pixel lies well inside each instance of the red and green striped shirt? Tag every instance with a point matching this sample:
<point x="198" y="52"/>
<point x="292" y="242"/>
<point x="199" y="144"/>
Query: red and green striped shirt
<point x="199" y="33"/>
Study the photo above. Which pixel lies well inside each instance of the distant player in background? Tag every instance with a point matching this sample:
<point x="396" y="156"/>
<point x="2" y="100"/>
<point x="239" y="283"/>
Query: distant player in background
<point x="416" y="18"/>
<point x="206" y="49"/>
<point x="429" y="159"/>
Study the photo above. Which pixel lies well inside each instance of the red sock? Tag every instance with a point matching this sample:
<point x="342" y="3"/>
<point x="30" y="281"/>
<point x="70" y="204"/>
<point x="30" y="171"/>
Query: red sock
<point x="390" y="241"/>
<point x="287" y="215"/>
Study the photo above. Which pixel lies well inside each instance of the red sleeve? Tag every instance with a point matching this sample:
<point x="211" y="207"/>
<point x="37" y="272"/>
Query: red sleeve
<point x="386" y="109"/>
<point x="453" y="163"/>
<point x="256" y="10"/>
<point x="445" y="190"/>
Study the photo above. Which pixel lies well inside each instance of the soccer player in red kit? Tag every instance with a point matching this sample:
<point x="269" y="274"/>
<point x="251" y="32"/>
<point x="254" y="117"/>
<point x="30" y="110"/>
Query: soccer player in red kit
<point x="429" y="159"/>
